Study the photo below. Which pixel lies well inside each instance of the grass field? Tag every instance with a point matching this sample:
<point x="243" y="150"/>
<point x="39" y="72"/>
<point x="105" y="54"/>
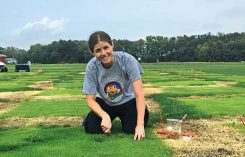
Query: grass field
<point x="201" y="90"/>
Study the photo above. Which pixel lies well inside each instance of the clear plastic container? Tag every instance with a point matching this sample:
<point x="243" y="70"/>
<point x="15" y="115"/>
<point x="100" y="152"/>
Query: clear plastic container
<point x="174" y="125"/>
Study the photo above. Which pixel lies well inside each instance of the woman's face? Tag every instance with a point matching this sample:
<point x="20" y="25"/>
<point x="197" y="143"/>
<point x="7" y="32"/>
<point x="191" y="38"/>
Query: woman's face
<point x="103" y="51"/>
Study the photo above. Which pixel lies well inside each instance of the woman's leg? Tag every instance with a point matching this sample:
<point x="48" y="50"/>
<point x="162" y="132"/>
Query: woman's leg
<point x="92" y="122"/>
<point x="128" y="115"/>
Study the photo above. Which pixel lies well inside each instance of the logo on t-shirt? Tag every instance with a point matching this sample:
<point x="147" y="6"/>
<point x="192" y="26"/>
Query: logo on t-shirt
<point x="113" y="91"/>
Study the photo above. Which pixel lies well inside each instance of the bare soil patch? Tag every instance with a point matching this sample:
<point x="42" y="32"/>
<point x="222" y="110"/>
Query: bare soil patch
<point x="207" y="97"/>
<point x="222" y="84"/>
<point x="64" y="97"/>
<point x="146" y="85"/>
<point x="149" y="89"/>
<point x="216" y="84"/>
<point x="14" y="98"/>
<point x="6" y="106"/>
<point x="175" y="86"/>
<point x="152" y="105"/>
<point x="18" y="96"/>
<point x="43" y="85"/>
<point x="214" y="138"/>
<point x="61" y="121"/>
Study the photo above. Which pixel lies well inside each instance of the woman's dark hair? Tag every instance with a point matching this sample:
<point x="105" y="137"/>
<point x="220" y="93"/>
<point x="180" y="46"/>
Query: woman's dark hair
<point x="96" y="37"/>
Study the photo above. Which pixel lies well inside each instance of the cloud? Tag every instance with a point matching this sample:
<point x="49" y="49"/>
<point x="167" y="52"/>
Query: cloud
<point x="46" y="25"/>
<point x="42" y="31"/>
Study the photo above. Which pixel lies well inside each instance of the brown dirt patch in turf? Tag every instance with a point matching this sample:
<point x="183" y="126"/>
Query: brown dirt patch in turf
<point x="14" y="98"/>
<point x="6" y="106"/>
<point x="64" y="97"/>
<point x="175" y="86"/>
<point x="222" y="84"/>
<point x="152" y="105"/>
<point x="149" y="89"/>
<point x="18" y="96"/>
<point x="146" y="85"/>
<point x="207" y="97"/>
<point x="43" y="85"/>
<point x="61" y="121"/>
<point x="214" y="138"/>
<point x="216" y="84"/>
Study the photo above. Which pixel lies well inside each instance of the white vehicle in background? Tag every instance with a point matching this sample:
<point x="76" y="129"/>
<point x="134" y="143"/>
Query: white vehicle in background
<point x="3" y="68"/>
<point x="11" y="61"/>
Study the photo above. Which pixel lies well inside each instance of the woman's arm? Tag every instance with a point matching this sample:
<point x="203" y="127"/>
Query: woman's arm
<point x="140" y="106"/>
<point x="95" y="107"/>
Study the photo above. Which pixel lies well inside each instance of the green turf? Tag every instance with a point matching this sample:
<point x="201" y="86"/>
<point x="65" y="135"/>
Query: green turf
<point x="67" y="141"/>
<point x="229" y="106"/>
<point x="41" y="108"/>
<point x="200" y="108"/>
<point x="175" y="80"/>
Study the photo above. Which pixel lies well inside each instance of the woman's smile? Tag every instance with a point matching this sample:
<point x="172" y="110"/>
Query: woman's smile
<point x="103" y="51"/>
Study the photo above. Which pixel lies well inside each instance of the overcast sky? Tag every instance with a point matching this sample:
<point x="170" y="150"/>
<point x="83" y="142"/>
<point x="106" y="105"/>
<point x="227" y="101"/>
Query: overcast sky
<point x="27" y="22"/>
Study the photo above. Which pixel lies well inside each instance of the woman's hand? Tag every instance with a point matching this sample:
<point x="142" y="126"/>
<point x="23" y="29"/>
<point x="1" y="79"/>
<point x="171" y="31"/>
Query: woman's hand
<point x="106" y="124"/>
<point x="139" y="132"/>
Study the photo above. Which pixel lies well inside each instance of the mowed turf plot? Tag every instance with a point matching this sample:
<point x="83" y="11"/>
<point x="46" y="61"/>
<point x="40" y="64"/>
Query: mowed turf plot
<point x="40" y="108"/>
<point x="72" y="141"/>
<point x="198" y="89"/>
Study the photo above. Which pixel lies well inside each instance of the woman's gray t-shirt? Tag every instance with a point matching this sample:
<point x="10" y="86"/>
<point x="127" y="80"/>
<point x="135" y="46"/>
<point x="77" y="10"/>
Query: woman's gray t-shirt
<point x="113" y="85"/>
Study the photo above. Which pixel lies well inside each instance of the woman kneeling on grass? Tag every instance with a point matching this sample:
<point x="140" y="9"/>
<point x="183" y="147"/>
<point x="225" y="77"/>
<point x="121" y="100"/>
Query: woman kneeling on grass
<point x="113" y="88"/>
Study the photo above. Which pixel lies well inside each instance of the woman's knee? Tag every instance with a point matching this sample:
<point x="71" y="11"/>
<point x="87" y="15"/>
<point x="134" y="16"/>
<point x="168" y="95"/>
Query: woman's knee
<point x="92" y="124"/>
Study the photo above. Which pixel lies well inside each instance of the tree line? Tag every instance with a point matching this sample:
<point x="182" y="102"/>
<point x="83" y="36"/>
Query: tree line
<point x="195" y="48"/>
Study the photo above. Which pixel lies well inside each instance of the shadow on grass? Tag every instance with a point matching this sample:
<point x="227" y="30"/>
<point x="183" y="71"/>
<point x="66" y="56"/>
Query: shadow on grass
<point x="25" y="142"/>
<point x="21" y="142"/>
<point x="172" y="108"/>
<point x="6" y="148"/>
<point x="17" y="89"/>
